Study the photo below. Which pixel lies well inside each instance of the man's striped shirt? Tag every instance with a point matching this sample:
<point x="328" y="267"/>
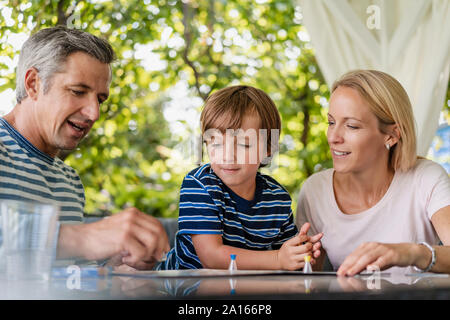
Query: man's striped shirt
<point x="27" y="174"/>
<point x="208" y="206"/>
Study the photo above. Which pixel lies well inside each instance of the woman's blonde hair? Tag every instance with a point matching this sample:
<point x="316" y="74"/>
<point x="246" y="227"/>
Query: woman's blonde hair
<point x="390" y="103"/>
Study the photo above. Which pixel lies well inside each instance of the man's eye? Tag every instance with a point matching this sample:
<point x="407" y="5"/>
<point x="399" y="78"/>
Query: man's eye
<point x="77" y="93"/>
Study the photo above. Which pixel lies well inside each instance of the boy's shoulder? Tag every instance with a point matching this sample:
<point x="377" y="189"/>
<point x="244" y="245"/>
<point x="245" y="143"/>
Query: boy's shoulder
<point x="203" y="175"/>
<point x="270" y="185"/>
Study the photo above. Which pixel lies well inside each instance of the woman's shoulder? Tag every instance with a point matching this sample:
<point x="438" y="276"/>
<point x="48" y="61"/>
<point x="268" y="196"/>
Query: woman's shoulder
<point x="319" y="178"/>
<point x="428" y="169"/>
<point x="425" y="175"/>
<point x="317" y="182"/>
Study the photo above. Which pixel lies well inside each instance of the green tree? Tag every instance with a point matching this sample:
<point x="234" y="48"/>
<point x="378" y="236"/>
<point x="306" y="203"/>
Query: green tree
<point x="132" y="157"/>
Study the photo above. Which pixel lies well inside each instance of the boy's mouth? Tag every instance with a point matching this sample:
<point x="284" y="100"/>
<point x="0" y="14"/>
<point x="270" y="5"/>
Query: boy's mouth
<point x="229" y="170"/>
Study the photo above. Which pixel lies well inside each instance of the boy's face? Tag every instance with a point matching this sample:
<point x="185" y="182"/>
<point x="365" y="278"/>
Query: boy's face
<point x="236" y="155"/>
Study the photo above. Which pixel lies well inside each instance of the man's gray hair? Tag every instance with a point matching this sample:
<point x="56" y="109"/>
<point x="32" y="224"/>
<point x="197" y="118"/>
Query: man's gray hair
<point x="48" y="49"/>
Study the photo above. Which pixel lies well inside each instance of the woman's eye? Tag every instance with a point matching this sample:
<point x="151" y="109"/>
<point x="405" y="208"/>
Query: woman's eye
<point x="352" y="127"/>
<point x="330" y="123"/>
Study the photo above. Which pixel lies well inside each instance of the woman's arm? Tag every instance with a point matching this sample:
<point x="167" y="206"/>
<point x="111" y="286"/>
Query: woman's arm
<point x="441" y="223"/>
<point x="384" y="255"/>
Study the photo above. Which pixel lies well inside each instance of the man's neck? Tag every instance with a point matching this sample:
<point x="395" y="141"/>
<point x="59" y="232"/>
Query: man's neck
<point x="27" y="127"/>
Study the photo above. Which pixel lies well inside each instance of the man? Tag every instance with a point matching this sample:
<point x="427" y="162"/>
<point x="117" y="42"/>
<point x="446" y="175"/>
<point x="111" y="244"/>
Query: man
<point x="63" y="76"/>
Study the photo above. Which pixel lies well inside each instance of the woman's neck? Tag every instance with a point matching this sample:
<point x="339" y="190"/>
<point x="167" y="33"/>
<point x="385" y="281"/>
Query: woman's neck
<point x="357" y="191"/>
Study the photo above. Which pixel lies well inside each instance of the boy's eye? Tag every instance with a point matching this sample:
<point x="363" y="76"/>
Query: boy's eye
<point x="215" y="145"/>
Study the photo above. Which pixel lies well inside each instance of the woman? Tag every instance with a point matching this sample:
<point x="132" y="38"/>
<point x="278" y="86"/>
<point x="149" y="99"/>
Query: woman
<point x="380" y="206"/>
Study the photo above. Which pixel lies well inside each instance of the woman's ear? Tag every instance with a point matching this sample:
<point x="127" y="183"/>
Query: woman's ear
<point x="393" y="135"/>
<point x="32" y="83"/>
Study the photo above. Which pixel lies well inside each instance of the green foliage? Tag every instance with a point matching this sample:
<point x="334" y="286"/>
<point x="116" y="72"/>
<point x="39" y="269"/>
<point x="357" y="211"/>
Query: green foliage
<point x="130" y="157"/>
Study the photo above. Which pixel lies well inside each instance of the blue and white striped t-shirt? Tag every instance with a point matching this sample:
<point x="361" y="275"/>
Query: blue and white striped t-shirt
<point x="208" y="206"/>
<point x="27" y="174"/>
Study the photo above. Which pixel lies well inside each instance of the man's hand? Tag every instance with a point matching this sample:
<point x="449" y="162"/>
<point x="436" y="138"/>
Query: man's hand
<point x="139" y="240"/>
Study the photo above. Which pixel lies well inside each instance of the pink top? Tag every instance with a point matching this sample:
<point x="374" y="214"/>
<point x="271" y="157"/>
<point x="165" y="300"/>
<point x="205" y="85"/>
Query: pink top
<point x="402" y="215"/>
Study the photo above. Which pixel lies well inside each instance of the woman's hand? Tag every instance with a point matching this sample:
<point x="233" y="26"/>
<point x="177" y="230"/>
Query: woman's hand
<point x="382" y="256"/>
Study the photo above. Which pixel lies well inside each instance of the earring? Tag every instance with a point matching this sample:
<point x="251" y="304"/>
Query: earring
<point x="388" y="146"/>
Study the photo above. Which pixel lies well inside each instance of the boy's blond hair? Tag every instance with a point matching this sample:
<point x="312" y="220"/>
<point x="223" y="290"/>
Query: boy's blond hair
<point x="390" y="103"/>
<point x="231" y="104"/>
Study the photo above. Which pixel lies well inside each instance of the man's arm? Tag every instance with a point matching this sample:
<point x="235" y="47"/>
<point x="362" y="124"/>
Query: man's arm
<point x="139" y="238"/>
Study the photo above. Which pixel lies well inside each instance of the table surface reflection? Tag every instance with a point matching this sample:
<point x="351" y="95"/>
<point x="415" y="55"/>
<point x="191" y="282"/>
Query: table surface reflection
<point x="257" y="286"/>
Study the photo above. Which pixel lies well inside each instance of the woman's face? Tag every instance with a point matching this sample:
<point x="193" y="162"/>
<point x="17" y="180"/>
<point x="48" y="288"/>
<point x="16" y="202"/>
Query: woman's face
<point x="355" y="141"/>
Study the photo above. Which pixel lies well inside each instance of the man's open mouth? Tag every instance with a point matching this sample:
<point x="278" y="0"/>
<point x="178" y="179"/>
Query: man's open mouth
<point x="76" y="127"/>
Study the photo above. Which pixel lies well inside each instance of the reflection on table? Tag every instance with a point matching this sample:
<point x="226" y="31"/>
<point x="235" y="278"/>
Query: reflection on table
<point x="270" y="286"/>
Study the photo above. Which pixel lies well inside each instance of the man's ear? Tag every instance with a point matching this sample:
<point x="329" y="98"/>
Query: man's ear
<point x="32" y="83"/>
<point x="393" y="135"/>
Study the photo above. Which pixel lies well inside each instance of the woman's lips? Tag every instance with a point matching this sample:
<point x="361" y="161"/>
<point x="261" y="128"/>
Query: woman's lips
<point x="339" y="154"/>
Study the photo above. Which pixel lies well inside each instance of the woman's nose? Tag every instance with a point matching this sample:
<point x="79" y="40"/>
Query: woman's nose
<point x="334" y="135"/>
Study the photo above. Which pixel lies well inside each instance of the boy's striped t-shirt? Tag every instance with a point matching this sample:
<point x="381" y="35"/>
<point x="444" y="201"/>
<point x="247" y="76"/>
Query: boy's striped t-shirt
<point x="27" y="174"/>
<point x="208" y="206"/>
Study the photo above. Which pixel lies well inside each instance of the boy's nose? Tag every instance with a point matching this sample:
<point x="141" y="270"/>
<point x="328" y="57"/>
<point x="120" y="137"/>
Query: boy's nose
<point x="229" y="152"/>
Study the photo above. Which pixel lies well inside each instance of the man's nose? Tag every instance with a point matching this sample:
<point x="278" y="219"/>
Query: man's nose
<point x="91" y="110"/>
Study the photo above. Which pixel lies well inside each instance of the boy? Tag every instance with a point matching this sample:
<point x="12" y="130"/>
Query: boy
<point x="227" y="206"/>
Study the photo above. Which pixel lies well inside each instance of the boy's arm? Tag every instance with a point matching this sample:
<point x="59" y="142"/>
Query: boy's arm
<point x="214" y="254"/>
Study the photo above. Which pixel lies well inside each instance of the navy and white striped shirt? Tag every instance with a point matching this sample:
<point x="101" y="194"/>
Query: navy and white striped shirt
<point x="208" y="206"/>
<point x="27" y="174"/>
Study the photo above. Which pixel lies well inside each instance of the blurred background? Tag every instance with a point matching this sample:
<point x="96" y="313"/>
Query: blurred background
<point x="170" y="56"/>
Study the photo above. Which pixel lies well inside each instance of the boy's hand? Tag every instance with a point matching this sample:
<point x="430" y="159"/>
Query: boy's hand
<point x="291" y="254"/>
<point x="315" y="240"/>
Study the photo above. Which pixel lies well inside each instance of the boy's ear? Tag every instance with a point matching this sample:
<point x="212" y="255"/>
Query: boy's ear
<point x="32" y="83"/>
